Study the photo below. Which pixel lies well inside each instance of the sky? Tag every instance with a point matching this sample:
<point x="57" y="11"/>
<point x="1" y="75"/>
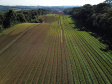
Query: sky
<point x="50" y="2"/>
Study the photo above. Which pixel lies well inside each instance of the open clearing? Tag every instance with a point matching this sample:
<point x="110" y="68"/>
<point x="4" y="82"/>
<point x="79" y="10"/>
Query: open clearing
<point x="53" y="52"/>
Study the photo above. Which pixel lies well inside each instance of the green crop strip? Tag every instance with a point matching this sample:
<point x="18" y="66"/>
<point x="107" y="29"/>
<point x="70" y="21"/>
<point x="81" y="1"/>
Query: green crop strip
<point x="55" y="52"/>
<point x="75" y="33"/>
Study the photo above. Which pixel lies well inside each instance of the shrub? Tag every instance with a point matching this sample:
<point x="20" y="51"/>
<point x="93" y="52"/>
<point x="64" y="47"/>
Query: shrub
<point x="1" y="28"/>
<point x="37" y="20"/>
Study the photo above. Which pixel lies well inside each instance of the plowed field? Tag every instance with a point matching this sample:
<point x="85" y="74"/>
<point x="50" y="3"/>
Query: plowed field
<point x="53" y="52"/>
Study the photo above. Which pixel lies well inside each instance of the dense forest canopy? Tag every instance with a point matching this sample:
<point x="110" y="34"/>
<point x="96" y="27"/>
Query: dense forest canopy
<point x="108" y="2"/>
<point x="11" y="17"/>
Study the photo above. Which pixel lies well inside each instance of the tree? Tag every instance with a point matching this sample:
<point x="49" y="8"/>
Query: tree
<point x="108" y="2"/>
<point x="10" y="19"/>
<point x="21" y="17"/>
<point x="1" y="22"/>
<point x="101" y="8"/>
<point x="1" y="19"/>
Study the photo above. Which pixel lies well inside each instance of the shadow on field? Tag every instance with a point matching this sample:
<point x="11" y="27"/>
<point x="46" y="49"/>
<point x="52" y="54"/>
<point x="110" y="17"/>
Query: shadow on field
<point x="107" y="43"/>
<point x="81" y="27"/>
<point x="78" y="25"/>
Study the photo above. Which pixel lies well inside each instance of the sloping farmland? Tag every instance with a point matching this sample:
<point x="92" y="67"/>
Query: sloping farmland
<point x="53" y="52"/>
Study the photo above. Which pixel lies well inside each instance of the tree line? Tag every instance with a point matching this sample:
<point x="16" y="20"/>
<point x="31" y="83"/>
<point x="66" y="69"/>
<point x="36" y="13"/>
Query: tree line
<point x="96" y="18"/>
<point x="11" y="17"/>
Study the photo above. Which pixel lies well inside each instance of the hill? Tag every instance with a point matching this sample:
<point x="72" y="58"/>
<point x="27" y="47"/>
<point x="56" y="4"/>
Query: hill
<point x="53" y="52"/>
<point x="22" y="8"/>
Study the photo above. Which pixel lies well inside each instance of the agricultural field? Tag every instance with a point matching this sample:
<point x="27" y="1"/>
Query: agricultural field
<point x="53" y="52"/>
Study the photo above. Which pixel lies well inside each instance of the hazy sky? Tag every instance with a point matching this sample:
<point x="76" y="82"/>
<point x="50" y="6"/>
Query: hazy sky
<point x="49" y="2"/>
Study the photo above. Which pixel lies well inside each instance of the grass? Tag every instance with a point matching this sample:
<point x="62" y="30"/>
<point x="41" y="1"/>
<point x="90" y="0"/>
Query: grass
<point x="17" y="28"/>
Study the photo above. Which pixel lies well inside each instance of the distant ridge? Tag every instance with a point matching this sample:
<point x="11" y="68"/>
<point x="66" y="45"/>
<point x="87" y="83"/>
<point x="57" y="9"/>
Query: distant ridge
<point x="4" y="8"/>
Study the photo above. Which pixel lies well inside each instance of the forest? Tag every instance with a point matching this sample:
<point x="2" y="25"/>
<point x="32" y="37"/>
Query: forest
<point x="95" y="18"/>
<point x="11" y="17"/>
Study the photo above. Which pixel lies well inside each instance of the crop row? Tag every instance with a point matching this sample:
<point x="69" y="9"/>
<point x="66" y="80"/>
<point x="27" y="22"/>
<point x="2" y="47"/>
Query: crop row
<point x="55" y="52"/>
<point x="17" y="60"/>
<point x="85" y="50"/>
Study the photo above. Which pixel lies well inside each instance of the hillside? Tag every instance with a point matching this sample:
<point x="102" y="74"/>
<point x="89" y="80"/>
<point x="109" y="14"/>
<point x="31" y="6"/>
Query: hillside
<point x="4" y="9"/>
<point x="53" y="52"/>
